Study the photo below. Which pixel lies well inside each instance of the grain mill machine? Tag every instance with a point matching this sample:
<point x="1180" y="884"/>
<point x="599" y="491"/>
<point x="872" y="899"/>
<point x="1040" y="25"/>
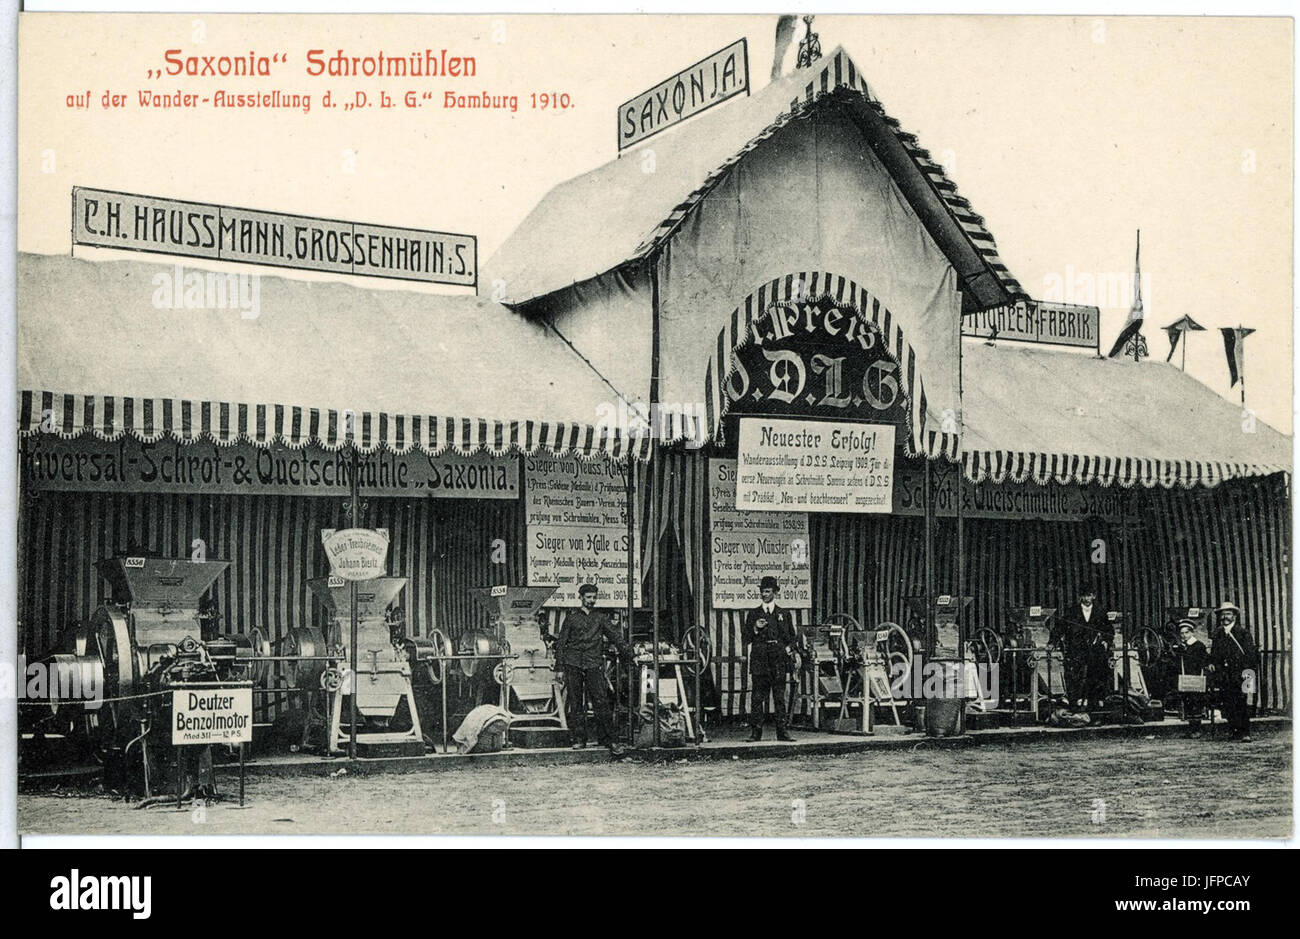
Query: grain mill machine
<point x="387" y="717"/>
<point x="526" y="671"/>
<point x="1030" y="642"/>
<point x="154" y="636"/>
<point x="846" y="670"/>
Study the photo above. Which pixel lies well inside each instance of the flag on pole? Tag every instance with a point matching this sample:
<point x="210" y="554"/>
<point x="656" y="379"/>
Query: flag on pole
<point x="1130" y="340"/>
<point x="1234" y="342"/>
<point x="1176" y="330"/>
<point x="784" y="35"/>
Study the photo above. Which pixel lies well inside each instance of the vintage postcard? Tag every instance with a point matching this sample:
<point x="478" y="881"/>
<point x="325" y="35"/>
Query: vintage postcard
<point x="794" y="426"/>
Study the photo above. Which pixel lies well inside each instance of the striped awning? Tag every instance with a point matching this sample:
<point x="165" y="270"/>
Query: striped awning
<point x="111" y="417"/>
<point x="1033" y="414"/>
<point x="1127" y="472"/>
<point x="320" y="363"/>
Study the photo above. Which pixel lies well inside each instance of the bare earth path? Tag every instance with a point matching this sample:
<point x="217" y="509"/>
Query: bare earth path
<point x="1109" y="787"/>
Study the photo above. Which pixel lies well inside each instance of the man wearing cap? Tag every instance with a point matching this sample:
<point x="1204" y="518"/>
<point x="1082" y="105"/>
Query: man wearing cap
<point x="1235" y="659"/>
<point x="1193" y="659"/>
<point x="768" y="634"/>
<point x="580" y="651"/>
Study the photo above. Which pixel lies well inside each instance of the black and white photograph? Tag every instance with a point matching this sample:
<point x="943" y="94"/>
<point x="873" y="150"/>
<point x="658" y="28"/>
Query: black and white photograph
<point x="886" y="436"/>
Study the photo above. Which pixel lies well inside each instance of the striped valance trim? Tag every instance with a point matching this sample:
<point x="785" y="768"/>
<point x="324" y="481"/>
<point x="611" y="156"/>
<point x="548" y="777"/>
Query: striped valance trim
<point x="740" y="329"/>
<point x="837" y="75"/>
<point x="110" y="417"/>
<point x="999" y="466"/>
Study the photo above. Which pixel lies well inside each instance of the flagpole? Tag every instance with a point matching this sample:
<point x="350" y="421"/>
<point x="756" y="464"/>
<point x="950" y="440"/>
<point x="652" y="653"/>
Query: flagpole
<point x="1137" y="292"/>
<point x="1241" y="357"/>
<point x="1184" y="365"/>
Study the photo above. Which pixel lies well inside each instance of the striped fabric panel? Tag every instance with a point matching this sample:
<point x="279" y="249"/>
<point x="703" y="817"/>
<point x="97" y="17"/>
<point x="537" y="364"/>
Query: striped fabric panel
<point x="226" y="424"/>
<point x="999" y="466"/>
<point x="741" y="328"/>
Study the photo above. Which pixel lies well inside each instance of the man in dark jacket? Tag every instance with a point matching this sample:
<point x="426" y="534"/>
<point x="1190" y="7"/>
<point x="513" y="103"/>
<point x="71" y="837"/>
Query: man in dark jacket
<point x="768" y="634"/>
<point x="1235" y="659"/>
<point x="1084" y="637"/>
<point x="580" y="652"/>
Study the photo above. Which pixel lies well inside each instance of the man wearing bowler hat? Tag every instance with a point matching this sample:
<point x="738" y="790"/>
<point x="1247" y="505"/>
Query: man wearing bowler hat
<point x="1235" y="659"/>
<point x="768" y="633"/>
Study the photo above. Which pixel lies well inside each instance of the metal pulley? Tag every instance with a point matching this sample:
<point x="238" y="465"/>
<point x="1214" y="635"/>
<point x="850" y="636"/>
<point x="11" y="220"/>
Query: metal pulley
<point x="251" y="652"/>
<point x="331" y="680"/>
<point x="307" y="642"/>
<point x="895" y="645"/>
<point x="698" y="645"/>
<point x="503" y="672"/>
<point x="109" y="639"/>
<point x="480" y="643"/>
<point x="987" y="646"/>
<point x="424" y="651"/>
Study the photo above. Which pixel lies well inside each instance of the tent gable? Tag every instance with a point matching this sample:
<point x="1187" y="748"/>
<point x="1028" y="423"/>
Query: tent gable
<point x="624" y="210"/>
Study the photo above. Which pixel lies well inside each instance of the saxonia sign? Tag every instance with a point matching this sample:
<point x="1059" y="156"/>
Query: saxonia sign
<point x="710" y="81"/>
<point x="1051" y="502"/>
<point x="89" y="464"/>
<point x="1040" y="321"/>
<point x="105" y="219"/>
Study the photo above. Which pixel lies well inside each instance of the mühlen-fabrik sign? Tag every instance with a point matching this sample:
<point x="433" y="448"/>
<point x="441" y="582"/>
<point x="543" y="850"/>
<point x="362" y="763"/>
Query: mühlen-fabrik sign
<point x="1038" y="321"/>
<point x="128" y="222"/>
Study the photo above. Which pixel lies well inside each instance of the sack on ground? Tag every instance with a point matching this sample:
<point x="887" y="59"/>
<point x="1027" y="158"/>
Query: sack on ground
<point x="672" y="726"/>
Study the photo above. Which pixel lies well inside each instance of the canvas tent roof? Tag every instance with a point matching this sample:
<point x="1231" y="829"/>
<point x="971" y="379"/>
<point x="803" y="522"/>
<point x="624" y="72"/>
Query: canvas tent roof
<point x="1038" y="414"/>
<point x="618" y="212"/>
<point x="418" y="370"/>
<point x="459" y="372"/>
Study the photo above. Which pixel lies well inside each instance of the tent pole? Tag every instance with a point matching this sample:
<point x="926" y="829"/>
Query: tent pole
<point x="1241" y="357"/>
<point x="929" y="556"/>
<point x="656" y="428"/>
<point x="355" y="512"/>
<point x="631" y="585"/>
<point x="962" y="633"/>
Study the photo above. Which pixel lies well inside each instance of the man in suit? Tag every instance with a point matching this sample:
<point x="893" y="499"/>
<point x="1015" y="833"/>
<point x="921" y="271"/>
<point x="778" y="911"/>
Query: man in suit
<point x="1084" y="638"/>
<point x="1235" y="658"/>
<point x="580" y="651"/>
<point x="768" y="634"/>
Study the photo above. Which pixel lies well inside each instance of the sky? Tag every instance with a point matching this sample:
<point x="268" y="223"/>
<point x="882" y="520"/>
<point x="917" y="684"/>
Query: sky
<point x="1067" y="134"/>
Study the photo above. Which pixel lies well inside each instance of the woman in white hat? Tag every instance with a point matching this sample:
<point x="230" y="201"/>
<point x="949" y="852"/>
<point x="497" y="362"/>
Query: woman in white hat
<point x="1236" y="659"/>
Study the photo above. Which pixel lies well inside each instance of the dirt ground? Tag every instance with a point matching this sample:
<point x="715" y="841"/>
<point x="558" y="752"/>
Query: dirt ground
<point x="1108" y="787"/>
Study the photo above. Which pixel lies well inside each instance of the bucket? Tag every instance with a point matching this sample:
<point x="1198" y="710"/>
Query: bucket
<point x="943" y="715"/>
